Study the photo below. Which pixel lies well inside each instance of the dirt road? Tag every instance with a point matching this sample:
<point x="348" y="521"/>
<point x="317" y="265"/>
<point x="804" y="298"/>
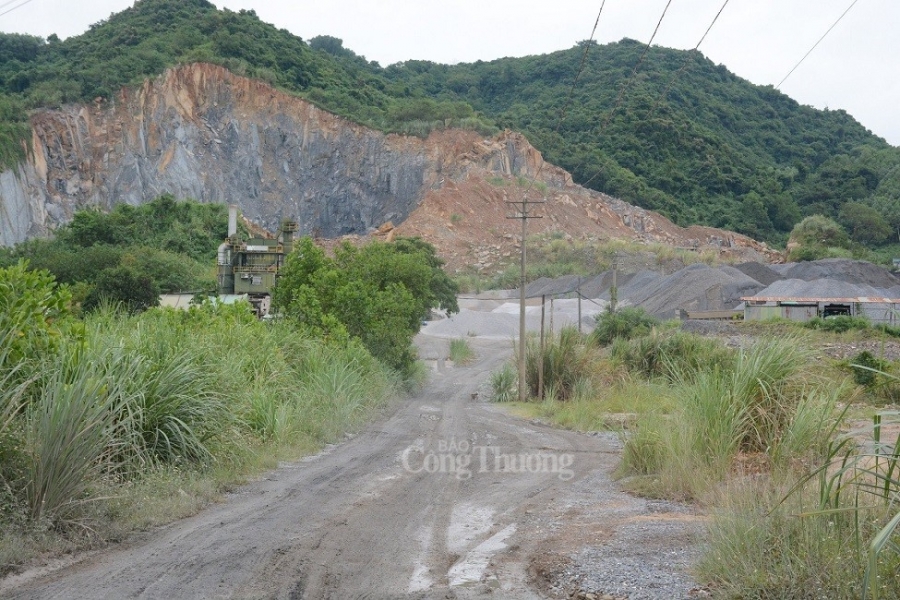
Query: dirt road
<point x="446" y="496"/>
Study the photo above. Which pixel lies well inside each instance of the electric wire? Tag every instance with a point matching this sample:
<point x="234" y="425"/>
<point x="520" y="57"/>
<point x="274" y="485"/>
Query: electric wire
<point x="7" y="3"/>
<point x="568" y="103"/>
<point x="833" y="25"/>
<point x="13" y="8"/>
<point x="710" y="164"/>
<point x="687" y="62"/>
<point x="627" y="84"/>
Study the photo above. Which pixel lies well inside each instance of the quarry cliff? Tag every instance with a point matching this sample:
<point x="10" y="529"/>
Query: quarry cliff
<point x="199" y="131"/>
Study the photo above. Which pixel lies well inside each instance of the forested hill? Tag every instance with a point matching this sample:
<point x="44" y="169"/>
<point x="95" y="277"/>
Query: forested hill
<point x="689" y="138"/>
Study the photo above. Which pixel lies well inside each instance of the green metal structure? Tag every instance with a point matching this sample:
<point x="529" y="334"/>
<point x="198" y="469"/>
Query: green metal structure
<point x="249" y="267"/>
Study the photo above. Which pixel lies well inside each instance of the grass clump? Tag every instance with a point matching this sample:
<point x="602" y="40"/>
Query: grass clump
<point x="504" y="384"/>
<point x="461" y="352"/>
<point x="625" y="323"/>
<point x="835" y="531"/>
<point x="567" y="360"/>
<point x="761" y="406"/>
<point x="838" y="324"/>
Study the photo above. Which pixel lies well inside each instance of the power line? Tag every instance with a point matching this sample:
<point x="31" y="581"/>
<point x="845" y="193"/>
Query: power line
<point x="525" y="214"/>
<point x="568" y="103"/>
<point x="635" y="70"/>
<point x="13" y="8"/>
<point x="709" y="164"/>
<point x="687" y="61"/>
<point x="627" y="84"/>
<point x="852" y="4"/>
<point x="7" y="3"/>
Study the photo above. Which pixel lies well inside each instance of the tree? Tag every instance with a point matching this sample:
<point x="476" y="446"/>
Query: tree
<point x="816" y="237"/>
<point x="125" y="286"/>
<point x="866" y="225"/>
<point x="377" y="294"/>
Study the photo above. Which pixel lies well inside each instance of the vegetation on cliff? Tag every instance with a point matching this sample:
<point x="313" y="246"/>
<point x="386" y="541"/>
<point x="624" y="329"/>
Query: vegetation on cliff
<point x="704" y="146"/>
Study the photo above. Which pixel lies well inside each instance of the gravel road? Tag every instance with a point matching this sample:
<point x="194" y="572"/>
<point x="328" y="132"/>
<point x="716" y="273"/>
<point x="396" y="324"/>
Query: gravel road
<point x="445" y="496"/>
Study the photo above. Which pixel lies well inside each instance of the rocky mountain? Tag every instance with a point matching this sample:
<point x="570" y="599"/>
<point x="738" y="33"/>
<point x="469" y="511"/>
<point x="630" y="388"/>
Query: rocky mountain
<point x="199" y="131"/>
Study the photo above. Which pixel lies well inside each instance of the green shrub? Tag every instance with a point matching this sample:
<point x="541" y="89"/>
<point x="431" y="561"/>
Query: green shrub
<point x="625" y="323"/>
<point x="670" y="354"/>
<point x="838" y="324"/>
<point x="34" y="314"/>
<point x="865" y="368"/>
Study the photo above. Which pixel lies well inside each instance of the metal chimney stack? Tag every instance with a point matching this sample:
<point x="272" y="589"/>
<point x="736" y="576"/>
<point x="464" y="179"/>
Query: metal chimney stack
<point x="232" y="219"/>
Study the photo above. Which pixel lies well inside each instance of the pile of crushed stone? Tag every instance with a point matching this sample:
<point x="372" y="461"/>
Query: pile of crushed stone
<point x="825" y="288"/>
<point x="700" y="287"/>
<point x="840" y="269"/>
<point x="500" y="320"/>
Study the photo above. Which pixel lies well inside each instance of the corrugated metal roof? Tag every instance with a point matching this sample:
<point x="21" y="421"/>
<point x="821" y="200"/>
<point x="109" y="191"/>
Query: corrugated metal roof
<point x="859" y="299"/>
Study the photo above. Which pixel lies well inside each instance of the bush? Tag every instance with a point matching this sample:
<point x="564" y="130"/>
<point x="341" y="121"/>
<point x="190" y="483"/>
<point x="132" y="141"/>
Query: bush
<point x="866" y="367"/>
<point x="671" y="355"/>
<point x="838" y="324"/>
<point x="125" y="286"/>
<point x="377" y="294"/>
<point x="35" y="314"/>
<point x="625" y="323"/>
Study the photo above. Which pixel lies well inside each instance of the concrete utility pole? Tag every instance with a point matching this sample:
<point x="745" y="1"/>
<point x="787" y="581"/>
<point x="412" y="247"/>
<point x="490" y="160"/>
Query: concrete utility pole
<point x="578" y="291"/>
<point x="614" y="290"/>
<point x="523" y="212"/>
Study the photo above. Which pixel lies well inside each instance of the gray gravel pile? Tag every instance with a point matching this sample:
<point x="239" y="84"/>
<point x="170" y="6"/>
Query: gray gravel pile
<point x="696" y="287"/>
<point x="821" y="288"/>
<point x="548" y="286"/>
<point x="851" y="271"/>
<point x="700" y="287"/>
<point x="485" y="319"/>
<point x="633" y="284"/>
<point x="759" y="272"/>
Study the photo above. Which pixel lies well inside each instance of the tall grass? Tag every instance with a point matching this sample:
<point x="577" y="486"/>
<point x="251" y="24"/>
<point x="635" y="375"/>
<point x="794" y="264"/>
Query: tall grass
<point x="461" y="352"/>
<point x="858" y="482"/>
<point x="763" y="406"/>
<point x="504" y="384"/>
<point x="626" y="323"/>
<point x="170" y="392"/>
<point x="80" y="418"/>
<point x="567" y="360"/>
<point x="669" y="354"/>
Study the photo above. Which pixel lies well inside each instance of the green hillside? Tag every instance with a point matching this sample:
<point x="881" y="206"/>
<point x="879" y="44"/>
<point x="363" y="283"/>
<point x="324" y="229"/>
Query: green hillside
<point x="703" y="147"/>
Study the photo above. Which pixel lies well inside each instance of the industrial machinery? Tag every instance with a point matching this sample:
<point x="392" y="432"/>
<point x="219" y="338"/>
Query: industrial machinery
<point x="248" y="268"/>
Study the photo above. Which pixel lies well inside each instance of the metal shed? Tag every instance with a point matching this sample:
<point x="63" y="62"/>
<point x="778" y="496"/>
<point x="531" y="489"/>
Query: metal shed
<point x="877" y="310"/>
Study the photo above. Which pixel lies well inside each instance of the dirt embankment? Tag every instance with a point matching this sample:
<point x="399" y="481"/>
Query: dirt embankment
<point x="466" y="214"/>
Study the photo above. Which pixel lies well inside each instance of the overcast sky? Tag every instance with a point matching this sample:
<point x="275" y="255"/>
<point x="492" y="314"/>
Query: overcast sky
<point x="856" y="68"/>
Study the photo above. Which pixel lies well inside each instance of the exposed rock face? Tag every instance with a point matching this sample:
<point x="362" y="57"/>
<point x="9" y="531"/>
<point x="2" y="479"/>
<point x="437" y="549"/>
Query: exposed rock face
<point x="201" y="132"/>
